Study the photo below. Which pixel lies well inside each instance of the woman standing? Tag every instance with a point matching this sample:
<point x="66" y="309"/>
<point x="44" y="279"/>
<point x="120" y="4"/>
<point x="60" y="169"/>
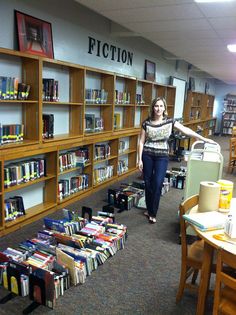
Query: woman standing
<point x="154" y="152"/>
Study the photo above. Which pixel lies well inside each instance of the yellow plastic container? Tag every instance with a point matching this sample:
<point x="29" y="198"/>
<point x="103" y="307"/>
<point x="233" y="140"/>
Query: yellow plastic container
<point x="226" y="191"/>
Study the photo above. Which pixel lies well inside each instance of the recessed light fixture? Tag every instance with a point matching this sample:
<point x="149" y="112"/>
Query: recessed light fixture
<point x="211" y="1"/>
<point x="232" y="48"/>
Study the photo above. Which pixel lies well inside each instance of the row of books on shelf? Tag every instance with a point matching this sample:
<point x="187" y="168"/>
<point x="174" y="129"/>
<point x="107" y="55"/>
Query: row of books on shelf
<point x="228" y="102"/>
<point x="96" y="96"/>
<point x="103" y="173"/>
<point x="230" y="116"/>
<point x="50" y="90"/>
<point x="195" y="114"/>
<point x="61" y="255"/>
<point x="139" y="99"/>
<point x="117" y="121"/>
<point x="228" y="123"/>
<point x="48" y="126"/>
<point x="22" y="172"/>
<point x="122" y="97"/>
<point x="231" y="109"/>
<point x="69" y="186"/>
<point x="122" y="167"/>
<point x="227" y="131"/>
<point x="14" y="208"/>
<point x="123" y="146"/>
<point x="102" y="151"/>
<point x="11" y="133"/>
<point x="72" y="159"/>
<point x="93" y="123"/>
<point x="11" y="89"/>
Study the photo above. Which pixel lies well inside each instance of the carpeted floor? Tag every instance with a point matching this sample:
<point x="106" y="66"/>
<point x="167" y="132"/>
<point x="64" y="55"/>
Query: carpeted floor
<point x="142" y="278"/>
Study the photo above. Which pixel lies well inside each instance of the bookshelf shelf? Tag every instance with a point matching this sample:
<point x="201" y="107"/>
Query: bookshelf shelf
<point x="73" y="195"/>
<point x="31" y="182"/>
<point x="30" y="213"/>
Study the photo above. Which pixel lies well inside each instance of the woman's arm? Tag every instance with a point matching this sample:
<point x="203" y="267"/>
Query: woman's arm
<point x="189" y="132"/>
<point x="140" y="149"/>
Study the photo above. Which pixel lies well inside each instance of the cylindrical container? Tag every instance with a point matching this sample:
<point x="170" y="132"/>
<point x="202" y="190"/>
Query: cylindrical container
<point x="226" y="191"/>
<point x="209" y="195"/>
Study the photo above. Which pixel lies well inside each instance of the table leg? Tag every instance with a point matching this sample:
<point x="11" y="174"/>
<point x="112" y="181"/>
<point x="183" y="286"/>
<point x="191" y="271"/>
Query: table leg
<point x="205" y="278"/>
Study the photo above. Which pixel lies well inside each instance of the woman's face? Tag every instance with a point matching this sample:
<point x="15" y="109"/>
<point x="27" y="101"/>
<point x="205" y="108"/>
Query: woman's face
<point x="159" y="108"/>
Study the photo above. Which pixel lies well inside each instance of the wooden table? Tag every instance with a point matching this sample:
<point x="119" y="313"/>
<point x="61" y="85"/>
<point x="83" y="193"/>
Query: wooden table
<point x="210" y="244"/>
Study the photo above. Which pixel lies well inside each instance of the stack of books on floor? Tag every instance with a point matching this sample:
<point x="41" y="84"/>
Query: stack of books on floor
<point x="62" y="254"/>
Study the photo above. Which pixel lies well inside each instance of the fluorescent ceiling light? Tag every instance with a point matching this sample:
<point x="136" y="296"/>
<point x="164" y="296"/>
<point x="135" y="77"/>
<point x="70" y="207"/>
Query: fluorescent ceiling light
<point x="209" y="1"/>
<point x="232" y="48"/>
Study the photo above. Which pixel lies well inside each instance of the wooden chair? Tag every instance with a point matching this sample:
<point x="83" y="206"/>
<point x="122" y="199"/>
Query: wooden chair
<point x="225" y="289"/>
<point x="234" y="131"/>
<point x="192" y="255"/>
<point x="232" y="154"/>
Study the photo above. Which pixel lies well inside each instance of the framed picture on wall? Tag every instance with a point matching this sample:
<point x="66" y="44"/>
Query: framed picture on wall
<point x="150" y="70"/>
<point x="34" y="35"/>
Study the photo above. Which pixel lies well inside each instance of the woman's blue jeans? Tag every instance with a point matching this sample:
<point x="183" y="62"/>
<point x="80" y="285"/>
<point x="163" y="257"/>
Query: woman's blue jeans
<point x="154" y="171"/>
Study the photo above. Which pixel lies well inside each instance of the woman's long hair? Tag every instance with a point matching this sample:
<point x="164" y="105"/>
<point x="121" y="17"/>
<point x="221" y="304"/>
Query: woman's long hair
<point x="152" y="113"/>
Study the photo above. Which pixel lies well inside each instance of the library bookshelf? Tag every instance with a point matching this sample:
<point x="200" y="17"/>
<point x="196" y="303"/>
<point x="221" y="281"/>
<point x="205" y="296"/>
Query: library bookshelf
<point x="229" y="115"/>
<point x="79" y="130"/>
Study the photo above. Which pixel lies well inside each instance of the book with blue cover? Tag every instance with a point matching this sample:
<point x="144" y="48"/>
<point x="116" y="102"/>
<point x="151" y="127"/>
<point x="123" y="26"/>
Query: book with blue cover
<point x="206" y="221"/>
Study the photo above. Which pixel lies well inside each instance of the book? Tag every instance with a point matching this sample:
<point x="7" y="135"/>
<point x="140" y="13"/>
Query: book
<point x="89" y="122"/>
<point x="206" y="221"/>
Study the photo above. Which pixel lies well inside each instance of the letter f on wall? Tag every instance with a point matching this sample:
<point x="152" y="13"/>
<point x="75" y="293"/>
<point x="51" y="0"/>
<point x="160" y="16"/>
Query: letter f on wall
<point x="91" y="44"/>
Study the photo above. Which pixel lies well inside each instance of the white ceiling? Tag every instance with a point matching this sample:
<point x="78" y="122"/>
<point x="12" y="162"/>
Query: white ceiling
<point x="195" y="32"/>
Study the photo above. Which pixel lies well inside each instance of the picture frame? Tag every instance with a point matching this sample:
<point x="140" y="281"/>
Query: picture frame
<point x="150" y="70"/>
<point x="34" y="35"/>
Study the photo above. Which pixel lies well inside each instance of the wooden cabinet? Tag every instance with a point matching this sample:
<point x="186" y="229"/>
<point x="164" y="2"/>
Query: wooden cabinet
<point x="89" y="110"/>
<point x="228" y="115"/>
<point x="198" y="106"/>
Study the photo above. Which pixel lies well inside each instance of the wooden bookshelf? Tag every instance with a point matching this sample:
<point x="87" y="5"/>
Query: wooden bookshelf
<point x="228" y="115"/>
<point x="72" y="82"/>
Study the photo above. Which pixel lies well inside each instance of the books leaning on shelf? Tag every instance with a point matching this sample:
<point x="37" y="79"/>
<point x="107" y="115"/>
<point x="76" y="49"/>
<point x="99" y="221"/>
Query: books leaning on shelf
<point x="48" y="126"/>
<point x="206" y="221"/>
<point x="74" y="184"/>
<point x="96" y="96"/>
<point x="22" y="172"/>
<point x="89" y="122"/>
<point x="117" y="122"/>
<point x="11" y="89"/>
<point x="14" y="208"/>
<point x="50" y="90"/>
<point x="11" y="133"/>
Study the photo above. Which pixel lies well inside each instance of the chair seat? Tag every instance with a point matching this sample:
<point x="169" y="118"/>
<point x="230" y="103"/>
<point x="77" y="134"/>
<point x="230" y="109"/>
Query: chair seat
<point x="195" y="250"/>
<point x="227" y="307"/>
<point x="228" y="293"/>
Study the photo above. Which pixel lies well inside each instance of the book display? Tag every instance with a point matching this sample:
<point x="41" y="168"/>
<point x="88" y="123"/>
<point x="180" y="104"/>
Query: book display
<point x="60" y="256"/>
<point x="228" y="115"/>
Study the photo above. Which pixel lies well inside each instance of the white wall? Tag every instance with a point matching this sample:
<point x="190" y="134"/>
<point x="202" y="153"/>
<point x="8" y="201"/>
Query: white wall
<point x="71" y="26"/>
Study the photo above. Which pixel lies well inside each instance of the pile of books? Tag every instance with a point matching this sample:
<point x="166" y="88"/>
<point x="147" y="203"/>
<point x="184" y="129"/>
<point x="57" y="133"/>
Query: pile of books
<point x="63" y="254"/>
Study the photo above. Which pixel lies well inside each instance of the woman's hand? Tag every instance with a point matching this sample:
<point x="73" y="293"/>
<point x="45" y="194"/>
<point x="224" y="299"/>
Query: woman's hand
<point x="140" y="166"/>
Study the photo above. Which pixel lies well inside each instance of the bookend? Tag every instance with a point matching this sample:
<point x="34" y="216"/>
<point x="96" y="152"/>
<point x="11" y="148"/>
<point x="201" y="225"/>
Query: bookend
<point x="108" y="208"/>
<point x="29" y="309"/>
<point x="87" y="211"/>
<point x="7" y="298"/>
